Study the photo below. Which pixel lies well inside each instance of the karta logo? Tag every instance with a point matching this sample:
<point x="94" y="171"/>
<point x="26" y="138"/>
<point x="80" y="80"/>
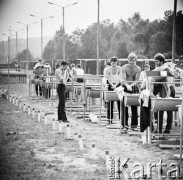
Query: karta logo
<point x="118" y="170"/>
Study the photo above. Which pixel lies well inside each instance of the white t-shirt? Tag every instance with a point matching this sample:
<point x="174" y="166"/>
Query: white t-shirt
<point x="79" y="71"/>
<point x="114" y="78"/>
<point x="61" y="76"/>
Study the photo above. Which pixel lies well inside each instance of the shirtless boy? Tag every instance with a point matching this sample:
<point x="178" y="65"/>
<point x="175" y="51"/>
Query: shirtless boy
<point x="130" y="74"/>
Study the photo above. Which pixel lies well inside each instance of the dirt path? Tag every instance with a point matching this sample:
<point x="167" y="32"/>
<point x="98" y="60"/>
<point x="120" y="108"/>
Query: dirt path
<point x="32" y="150"/>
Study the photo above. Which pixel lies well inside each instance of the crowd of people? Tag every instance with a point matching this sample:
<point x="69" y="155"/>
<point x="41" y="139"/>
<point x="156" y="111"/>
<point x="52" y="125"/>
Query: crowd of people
<point x="133" y="80"/>
<point x="42" y="73"/>
<point x="129" y="76"/>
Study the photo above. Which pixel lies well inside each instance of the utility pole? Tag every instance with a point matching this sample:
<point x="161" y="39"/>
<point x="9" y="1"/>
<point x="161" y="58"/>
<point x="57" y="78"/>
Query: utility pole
<point x="3" y="49"/>
<point x="63" y="14"/>
<point x="63" y="10"/>
<point x="98" y="68"/>
<point x="174" y="32"/>
<point x="41" y="31"/>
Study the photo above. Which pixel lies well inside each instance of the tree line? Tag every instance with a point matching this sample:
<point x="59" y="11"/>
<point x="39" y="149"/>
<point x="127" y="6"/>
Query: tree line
<point x="133" y="35"/>
<point x="136" y="34"/>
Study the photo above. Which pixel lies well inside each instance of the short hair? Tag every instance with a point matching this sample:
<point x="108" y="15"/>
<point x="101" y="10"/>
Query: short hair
<point x="132" y="55"/>
<point x="64" y="63"/>
<point x="72" y="65"/>
<point x="113" y="59"/>
<point x="160" y="57"/>
<point x="78" y="66"/>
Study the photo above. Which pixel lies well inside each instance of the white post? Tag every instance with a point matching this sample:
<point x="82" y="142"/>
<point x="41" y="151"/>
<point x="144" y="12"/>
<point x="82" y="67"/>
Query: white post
<point x="33" y="113"/>
<point x="80" y="142"/>
<point x="93" y="153"/>
<point x="45" y="119"/>
<point x="68" y="131"/>
<point x="24" y="108"/>
<point x="20" y="105"/>
<point x="39" y="116"/>
<point x="54" y="124"/>
<point x="16" y="101"/>
<point x="28" y="110"/>
<point x="107" y="159"/>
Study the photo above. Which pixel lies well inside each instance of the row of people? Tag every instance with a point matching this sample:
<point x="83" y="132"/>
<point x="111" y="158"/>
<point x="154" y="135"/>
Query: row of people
<point x="63" y="74"/>
<point x="42" y="71"/>
<point x="128" y="76"/>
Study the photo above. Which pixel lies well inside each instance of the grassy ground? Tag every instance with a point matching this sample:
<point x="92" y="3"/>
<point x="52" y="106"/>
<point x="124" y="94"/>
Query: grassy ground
<point x="32" y="150"/>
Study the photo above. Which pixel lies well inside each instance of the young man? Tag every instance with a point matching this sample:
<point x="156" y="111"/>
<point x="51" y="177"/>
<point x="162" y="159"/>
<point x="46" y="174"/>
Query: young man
<point x="113" y="76"/>
<point x="163" y="90"/>
<point x="79" y="72"/>
<point x="130" y="74"/>
<point x="38" y="73"/>
<point x="62" y="75"/>
<point x="73" y="72"/>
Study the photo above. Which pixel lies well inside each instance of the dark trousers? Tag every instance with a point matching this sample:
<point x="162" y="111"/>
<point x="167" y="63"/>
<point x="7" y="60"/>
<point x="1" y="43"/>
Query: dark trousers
<point x="160" y="88"/>
<point x="144" y="116"/>
<point x="145" y="111"/>
<point x="134" y="118"/>
<point x="110" y="105"/>
<point x="61" y="104"/>
<point x="38" y="89"/>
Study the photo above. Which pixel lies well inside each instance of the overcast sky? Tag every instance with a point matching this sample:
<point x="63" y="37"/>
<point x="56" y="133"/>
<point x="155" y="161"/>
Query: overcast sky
<point x="80" y="15"/>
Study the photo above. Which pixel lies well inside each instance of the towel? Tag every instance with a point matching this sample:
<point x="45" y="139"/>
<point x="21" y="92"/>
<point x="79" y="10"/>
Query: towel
<point x="120" y="92"/>
<point x="144" y="95"/>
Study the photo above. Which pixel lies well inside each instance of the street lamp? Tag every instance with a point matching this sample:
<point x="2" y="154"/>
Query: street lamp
<point x="63" y="9"/>
<point x="2" y="48"/>
<point x="27" y="25"/>
<point x="98" y="68"/>
<point x="41" y="30"/>
<point x="8" y="58"/>
<point x="16" y="38"/>
<point x="9" y="53"/>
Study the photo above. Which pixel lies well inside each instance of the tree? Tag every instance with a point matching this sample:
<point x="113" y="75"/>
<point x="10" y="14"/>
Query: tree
<point x="22" y="56"/>
<point x="76" y="40"/>
<point x="136" y="34"/>
<point x="48" y="52"/>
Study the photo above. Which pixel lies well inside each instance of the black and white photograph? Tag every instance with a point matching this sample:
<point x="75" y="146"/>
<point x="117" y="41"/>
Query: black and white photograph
<point x="91" y="89"/>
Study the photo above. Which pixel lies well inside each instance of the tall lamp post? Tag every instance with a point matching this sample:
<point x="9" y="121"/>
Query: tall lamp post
<point x="98" y="69"/>
<point x="41" y="30"/>
<point x="27" y="26"/>
<point x="16" y="38"/>
<point x="8" y="58"/>
<point x="2" y="48"/>
<point x="174" y="32"/>
<point x="63" y="10"/>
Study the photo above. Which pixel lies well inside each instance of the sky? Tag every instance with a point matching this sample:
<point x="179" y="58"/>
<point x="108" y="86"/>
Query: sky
<point x="81" y="15"/>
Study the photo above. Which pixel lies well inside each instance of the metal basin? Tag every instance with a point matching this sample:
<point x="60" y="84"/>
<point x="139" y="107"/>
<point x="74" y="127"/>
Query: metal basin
<point x="131" y="100"/>
<point x="165" y="104"/>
